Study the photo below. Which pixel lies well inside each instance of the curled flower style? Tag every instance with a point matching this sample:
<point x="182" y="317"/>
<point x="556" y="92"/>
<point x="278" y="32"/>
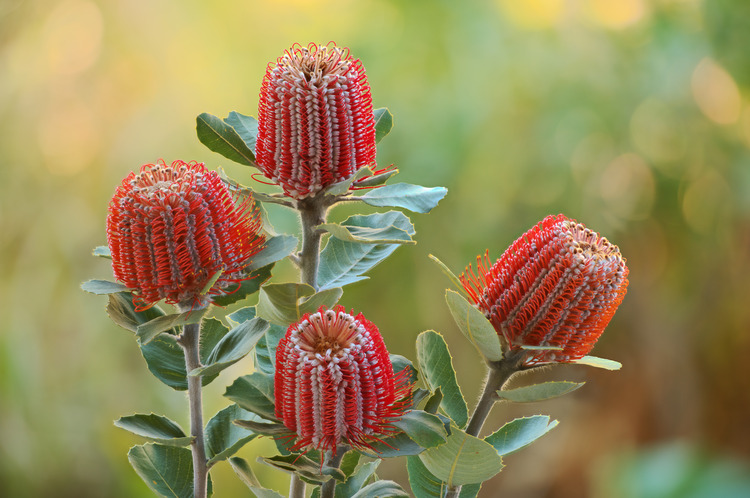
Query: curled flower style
<point x="558" y="285"/>
<point x="171" y="229"/>
<point x="315" y="119"/>
<point x="334" y="382"/>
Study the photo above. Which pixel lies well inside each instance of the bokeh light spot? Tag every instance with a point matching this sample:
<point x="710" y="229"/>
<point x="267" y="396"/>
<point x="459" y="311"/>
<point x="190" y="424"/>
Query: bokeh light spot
<point x="716" y="93"/>
<point x="533" y="14"/>
<point x="657" y="131"/>
<point x="73" y="36"/>
<point x="616" y="14"/>
<point x="68" y="137"/>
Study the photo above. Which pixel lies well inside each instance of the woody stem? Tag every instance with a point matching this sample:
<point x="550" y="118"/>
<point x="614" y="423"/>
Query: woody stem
<point x="190" y="342"/>
<point x="497" y="376"/>
<point x="334" y="460"/>
<point x="312" y="212"/>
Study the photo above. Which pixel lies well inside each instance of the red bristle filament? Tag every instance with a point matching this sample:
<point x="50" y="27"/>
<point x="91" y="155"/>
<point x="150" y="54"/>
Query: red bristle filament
<point x="315" y="119"/>
<point x="171" y="228"/>
<point x="557" y="285"/>
<point x="334" y="383"/>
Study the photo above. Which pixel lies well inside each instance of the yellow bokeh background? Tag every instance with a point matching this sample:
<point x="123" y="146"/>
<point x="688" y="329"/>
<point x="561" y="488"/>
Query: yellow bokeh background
<point x="632" y="116"/>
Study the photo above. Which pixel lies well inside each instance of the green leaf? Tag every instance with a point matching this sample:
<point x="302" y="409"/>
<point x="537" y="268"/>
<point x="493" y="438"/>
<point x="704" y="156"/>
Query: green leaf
<point x="463" y="459"/>
<point x="355" y="482"/>
<point x="451" y="276"/>
<point x="393" y="446"/>
<point x="103" y="287"/>
<point x="343" y="186"/>
<point x="223" y="437"/>
<point x="265" y="350"/>
<point x="412" y="197"/>
<point x="520" y="432"/>
<point x="367" y="235"/>
<point x="263" y="428"/>
<point x="539" y="392"/>
<point x="343" y="262"/>
<point x="233" y="346"/>
<point x="381" y="489"/>
<point x="595" y="361"/>
<point x="425" y="485"/>
<point x="281" y="303"/>
<point x="475" y="326"/>
<point x="423" y="428"/>
<point x="122" y="311"/>
<point x="245" y="288"/>
<point x="245" y="126"/>
<point x="275" y="249"/>
<point x="398" y="363"/>
<point x="349" y="462"/>
<point x="378" y="179"/>
<point x="383" y="123"/>
<point x="436" y="366"/>
<point x="529" y="347"/>
<point x="166" y="359"/>
<point x="246" y="475"/>
<point x="102" y="252"/>
<point x="433" y="403"/>
<point x="254" y="393"/>
<point x="220" y="137"/>
<point x="308" y="469"/>
<point x="167" y="470"/>
<point x="146" y="332"/>
<point x="156" y="428"/>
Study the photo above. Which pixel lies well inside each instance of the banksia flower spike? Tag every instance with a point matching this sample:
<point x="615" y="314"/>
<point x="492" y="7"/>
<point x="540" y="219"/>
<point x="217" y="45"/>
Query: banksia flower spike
<point x="334" y="383"/>
<point x="315" y="119"/>
<point x="558" y="285"/>
<point x="171" y="229"/>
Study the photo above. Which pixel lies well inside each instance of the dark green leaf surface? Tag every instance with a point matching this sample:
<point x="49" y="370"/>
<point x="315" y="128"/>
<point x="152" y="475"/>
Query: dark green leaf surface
<point x="307" y="468"/>
<point x="103" y="287"/>
<point x="281" y="303"/>
<point x="263" y="428"/>
<point x="475" y="326"/>
<point x="245" y="126"/>
<point x="147" y="331"/>
<point x="254" y="393"/>
<point x="122" y="311"/>
<point x="349" y="462"/>
<point x="343" y="186"/>
<point x="520" y="432"/>
<point x="423" y="428"/>
<point x="220" y="137"/>
<point x="167" y="470"/>
<point x="156" y="428"/>
<point x="223" y="437"/>
<point x="343" y="262"/>
<point x="381" y="489"/>
<point x="265" y="350"/>
<point x="246" y="475"/>
<point x="378" y="179"/>
<point x="166" y="359"/>
<point x="425" y="485"/>
<point x="412" y="197"/>
<point x="275" y="249"/>
<point x="246" y="287"/>
<point x="355" y="482"/>
<point x="436" y="366"/>
<point x="463" y="459"/>
<point x="394" y="446"/>
<point x="539" y="392"/>
<point x="237" y="343"/>
<point x="399" y="363"/>
<point x="383" y="123"/>
<point x="367" y="235"/>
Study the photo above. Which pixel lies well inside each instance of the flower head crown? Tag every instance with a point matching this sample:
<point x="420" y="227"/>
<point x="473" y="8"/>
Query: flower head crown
<point x="171" y="229"/>
<point x="558" y="286"/>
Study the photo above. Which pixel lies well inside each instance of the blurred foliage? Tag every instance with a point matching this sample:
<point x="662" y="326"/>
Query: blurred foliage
<point x="631" y="116"/>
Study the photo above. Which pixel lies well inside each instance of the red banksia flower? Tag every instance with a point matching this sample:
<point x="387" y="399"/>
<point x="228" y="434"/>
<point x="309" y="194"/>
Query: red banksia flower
<point x="315" y="120"/>
<point x="170" y="229"/>
<point x="557" y="285"/>
<point x="334" y="382"/>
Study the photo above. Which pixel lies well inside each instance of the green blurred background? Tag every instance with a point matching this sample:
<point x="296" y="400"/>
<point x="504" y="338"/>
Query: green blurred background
<point x="632" y="116"/>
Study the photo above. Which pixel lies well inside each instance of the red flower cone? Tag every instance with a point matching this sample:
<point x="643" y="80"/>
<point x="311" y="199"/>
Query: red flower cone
<point x="170" y="229"/>
<point x="315" y="119"/>
<point x="557" y="285"/>
<point x="334" y="383"/>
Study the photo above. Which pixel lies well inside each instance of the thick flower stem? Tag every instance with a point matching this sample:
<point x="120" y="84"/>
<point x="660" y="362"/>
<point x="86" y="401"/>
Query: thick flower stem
<point x="312" y="212"/>
<point x="296" y="487"/>
<point x="190" y="342"/>
<point x="497" y="376"/>
<point x="328" y="488"/>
